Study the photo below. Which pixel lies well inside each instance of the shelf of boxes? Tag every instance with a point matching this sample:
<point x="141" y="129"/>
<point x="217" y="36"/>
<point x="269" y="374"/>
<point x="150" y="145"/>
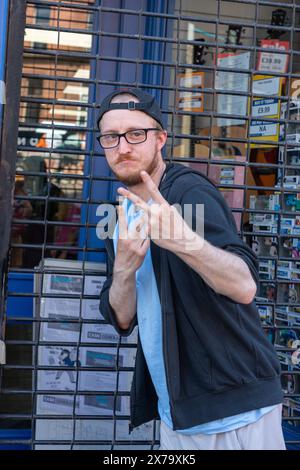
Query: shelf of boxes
<point x="293" y="155"/>
<point x="290" y="225"/>
<point x="288" y="270"/>
<point x="292" y="202"/>
<point x="288" y="292"/>
<point x="292" y="246"/>
<point x="287" y="314"/>
<point x="264" y="222"/>
<point x="265" y="245"/>
<point x="266" y="269"/>
<point x="293" y="138"/>
<point x="293" y="128"/>
<point x="283" y="358"/>
<point x="294" y="404"/>
<point x="266" y="292"/>
<point x="291" y="179"/>
<point x="291" y="182"/>
<point x="266" y="314"/>
<point x="271" y="202"/>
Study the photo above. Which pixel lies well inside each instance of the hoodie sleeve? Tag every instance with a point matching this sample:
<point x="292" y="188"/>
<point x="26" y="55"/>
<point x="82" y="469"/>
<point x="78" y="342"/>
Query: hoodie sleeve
<point x="105" y="308"/>
<point x="219" y="225"/>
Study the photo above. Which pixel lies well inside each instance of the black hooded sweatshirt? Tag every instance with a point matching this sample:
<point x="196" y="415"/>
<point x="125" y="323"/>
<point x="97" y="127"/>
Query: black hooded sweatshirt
<point x="217" y="358"/>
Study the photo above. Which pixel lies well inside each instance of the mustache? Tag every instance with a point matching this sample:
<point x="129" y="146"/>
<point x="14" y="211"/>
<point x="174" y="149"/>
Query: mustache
<point x="125" y="159"/>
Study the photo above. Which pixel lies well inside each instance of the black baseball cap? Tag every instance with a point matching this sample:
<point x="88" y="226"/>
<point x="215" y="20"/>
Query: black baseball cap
<point x="147" y="104"/>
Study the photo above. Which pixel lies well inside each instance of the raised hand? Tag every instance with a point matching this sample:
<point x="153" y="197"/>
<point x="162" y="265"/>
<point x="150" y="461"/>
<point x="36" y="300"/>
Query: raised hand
<point x="132" y="245"/>
<point x="164" y="225"/>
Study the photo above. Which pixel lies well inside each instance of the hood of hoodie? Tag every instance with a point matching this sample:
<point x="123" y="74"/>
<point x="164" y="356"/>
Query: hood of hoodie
<point x="174" y="171"/>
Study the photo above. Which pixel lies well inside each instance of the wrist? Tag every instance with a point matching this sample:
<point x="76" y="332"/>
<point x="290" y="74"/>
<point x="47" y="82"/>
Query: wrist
<point x="190" y="243"/>
<point x="124" y="274"/>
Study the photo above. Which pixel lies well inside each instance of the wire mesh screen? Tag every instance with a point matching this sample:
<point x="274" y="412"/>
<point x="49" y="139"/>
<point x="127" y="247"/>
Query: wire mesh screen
<point x="227" y="76"/>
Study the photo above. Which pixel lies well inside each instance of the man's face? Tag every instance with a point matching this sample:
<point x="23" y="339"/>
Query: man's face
<point x="127" y="160"/>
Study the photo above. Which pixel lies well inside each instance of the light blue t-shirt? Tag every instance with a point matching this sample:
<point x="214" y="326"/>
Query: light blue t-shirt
<point x="150" y="330"/>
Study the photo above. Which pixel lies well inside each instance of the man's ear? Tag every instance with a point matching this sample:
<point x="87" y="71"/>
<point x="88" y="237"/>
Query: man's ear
<point x="162" y="139"/>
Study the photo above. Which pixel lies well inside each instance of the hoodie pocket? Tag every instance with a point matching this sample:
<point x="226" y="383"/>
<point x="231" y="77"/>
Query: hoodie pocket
<point x="225" y="374"/>
<point x="196" y="370"/>
<point x="266" y="366"/>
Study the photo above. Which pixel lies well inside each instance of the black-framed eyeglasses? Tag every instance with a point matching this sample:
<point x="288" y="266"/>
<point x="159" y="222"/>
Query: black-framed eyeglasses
<point x="135" y="136"/>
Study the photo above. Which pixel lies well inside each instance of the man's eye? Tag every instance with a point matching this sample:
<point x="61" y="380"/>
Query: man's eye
<point x="136" y="133"/>
<point x="109" y="137"/>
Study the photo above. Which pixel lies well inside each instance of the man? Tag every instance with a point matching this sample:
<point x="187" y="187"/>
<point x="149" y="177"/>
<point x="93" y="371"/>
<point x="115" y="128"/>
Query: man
<point x="203" y="365"/>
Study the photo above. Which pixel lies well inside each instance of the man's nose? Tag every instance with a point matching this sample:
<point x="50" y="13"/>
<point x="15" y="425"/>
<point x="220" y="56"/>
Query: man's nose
<point x="124" y="146"/>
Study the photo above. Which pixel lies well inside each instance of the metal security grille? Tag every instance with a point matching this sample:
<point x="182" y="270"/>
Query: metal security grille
<point x="227" y="75"/>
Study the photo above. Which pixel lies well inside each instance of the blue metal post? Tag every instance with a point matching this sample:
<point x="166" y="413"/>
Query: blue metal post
<point x="4" y="7"/>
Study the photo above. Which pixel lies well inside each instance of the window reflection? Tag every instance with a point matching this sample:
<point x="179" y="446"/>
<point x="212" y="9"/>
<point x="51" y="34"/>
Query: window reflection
<point x="52" y="135"/>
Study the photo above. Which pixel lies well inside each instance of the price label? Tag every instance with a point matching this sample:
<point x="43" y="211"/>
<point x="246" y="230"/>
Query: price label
<point x="265" y="108"/>
<point x="262" y="129"/>
<point x="272" y="61"/>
